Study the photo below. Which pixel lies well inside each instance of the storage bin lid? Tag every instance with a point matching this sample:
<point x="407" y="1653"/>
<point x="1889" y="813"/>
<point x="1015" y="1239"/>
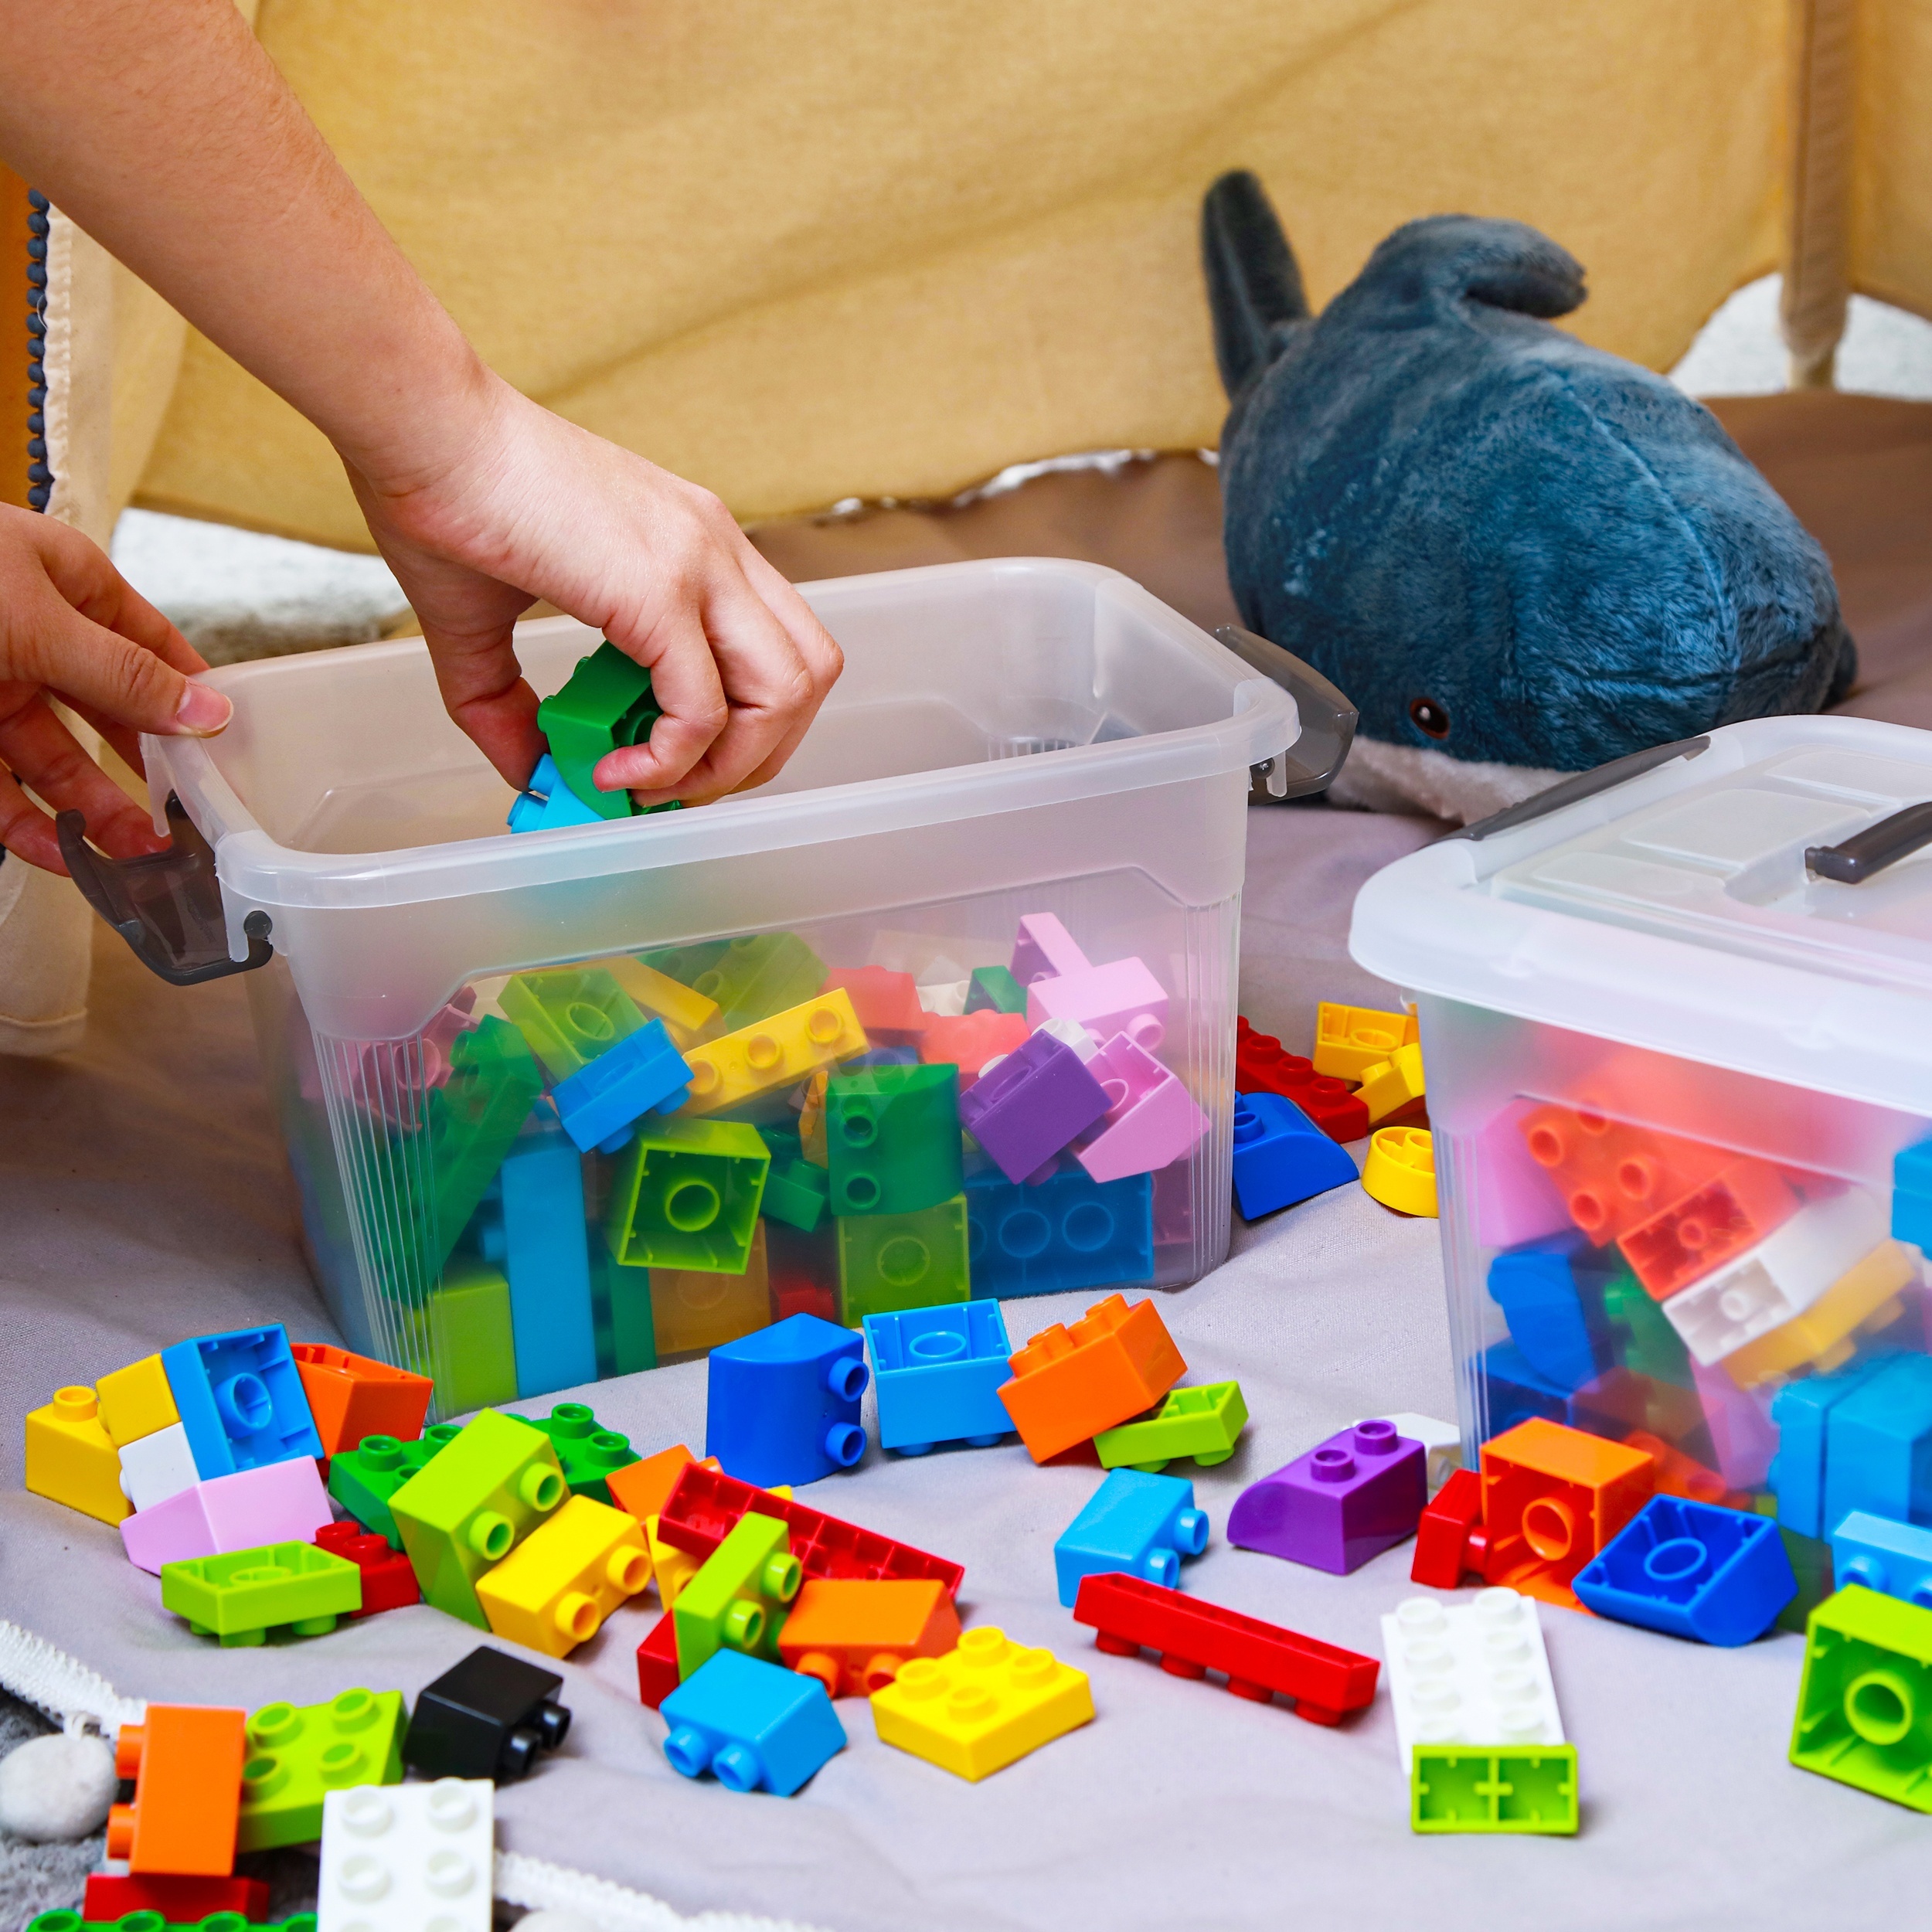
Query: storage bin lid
<point x="1689" y="909"/>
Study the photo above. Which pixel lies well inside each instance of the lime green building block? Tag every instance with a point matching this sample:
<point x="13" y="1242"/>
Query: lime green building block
<point x="363" y="1479"/>
<point x="993" y="989"/>
<point x="298" y="1752"/>
<point x="1864" y="1703"/>
<point x="472" y="1345"/>
<point x="1204" y="1422"/>
<point x="472" y="1504"/>
<point x="1497" y="1787"/>
<point x="686" y="1194"/>
<point x="796" y="1193"/>
<point x="473" y="1119"/>
<point x="607" y="703"/>
<point x="586" y="1450"/>
<point x="242" y="1596"/>
<point x="684" y="963"/>
<point x="569" y="1014"/>
<point x="892" y="1140"/>
<point x="737" y="1599"/>
<point x="887" y="1262"/>
<point x="1647" y="1344"/>
<point x="753" y="978"/>
<point x="1811" y="1559"/>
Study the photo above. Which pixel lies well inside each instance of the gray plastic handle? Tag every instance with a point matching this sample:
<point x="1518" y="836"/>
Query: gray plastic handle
<point x="1868" y="852"/>
<point x="1328" y="721"/>
<point x="1585" y="784"/>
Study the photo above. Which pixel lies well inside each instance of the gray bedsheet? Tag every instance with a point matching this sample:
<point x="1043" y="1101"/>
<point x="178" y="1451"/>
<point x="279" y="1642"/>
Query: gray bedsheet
<point x="143" y="1198"/>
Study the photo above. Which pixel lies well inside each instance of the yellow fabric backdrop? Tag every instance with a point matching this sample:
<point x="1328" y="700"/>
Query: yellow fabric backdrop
<point x="1891" y="211"/>
<point x="833" y="248"/>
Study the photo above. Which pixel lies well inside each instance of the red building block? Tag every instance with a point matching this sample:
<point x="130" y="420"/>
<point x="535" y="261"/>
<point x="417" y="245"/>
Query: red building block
<point x="179" y="1899"/>
<point x="186" y="1762"/>
<point x="701" y="1510"/>
<point x="803" y="1270"/>
<point x="1260" y="1661"/>
<point x="1722" y="1218"/>
<point x="1261" y="1065"/>
<point x="886" y="1002"/>
<point x="658" y="1661"/>
<point x="351" y="1397"/>
<point x="1551" y="1498"/>
<point x="1613" y="1175"/>
<point x="969" y="1040"/>
<point x="388" y="1579"/>
<point x="1442" y="1536"/>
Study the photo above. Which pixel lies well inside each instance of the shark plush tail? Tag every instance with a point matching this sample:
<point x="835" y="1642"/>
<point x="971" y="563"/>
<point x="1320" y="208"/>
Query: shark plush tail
<point x="1254" y="285"/>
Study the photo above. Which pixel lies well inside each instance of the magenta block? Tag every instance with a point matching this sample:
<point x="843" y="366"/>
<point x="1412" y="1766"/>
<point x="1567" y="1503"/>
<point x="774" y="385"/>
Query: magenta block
<point x="1516" y="1201"/>
<point x="1154" y="1123"/>
<point x="1044" y="949"/>
<point x="1742" y="1432"/>
<point x="280" y="1502"/>
<point x="1349" y="1499"/>
<point x="1121" y="997"/>
<point x="1023" y="1109"/>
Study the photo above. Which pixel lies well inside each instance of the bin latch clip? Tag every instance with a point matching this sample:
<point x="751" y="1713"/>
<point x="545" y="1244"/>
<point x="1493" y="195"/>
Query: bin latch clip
<point x="1327" y="722"/>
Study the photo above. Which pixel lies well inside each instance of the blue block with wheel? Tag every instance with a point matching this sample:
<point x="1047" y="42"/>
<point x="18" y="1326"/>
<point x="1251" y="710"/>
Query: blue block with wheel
<point x="783" y="1403"/>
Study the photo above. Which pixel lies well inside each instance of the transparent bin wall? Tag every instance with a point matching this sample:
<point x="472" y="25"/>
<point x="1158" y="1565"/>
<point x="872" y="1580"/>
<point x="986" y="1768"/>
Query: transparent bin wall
<point x="354" y="1114"/>
<point x="1641" y="1246"/>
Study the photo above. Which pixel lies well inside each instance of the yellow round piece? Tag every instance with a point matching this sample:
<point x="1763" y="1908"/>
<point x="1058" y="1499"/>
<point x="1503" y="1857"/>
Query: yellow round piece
<point x="1400" y="1171"/>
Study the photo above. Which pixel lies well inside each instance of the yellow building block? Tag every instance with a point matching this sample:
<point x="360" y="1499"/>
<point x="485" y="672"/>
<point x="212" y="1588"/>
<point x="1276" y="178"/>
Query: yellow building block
<point x="689" y="1017"/>
<point x="672" y="1567"/>
<point x="1400" y="1169"/>
<point x="1864" y="1299"/>
<point x="553" y="1591"/>
<point x="1350" y="1039"/>
<point x="778" y="1052"/>
<point x="985" y="1704"/>
<point x="70" y="1458"/>
<point x="1390" y="1085"/>
<point x="692" y="1309"/>
<point x="811" y="1121"/>
<point x="136" y="1401"/>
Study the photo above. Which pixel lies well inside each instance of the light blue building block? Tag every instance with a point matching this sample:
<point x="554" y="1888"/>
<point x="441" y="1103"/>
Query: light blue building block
<point x="643" y="1073"/>
<point x="1878" y="1456"/>
<point x="1691" y="1570"/>
<point x="754" y="1725"/>
<point x="240" y="1399"/>
<point x="1070" y="1232"/>
<point x="1912" y="1195"/>
<point x="1141" y="1524"/>
<point x="938" y="1372"/>
<point x="549" y="803"/>
<point x="1893" y="1558"/>
<point x="1802" y="1412"/>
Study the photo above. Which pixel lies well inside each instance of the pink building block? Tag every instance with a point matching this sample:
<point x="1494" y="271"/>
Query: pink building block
<point x="1121" y="997"/>
<point x="382" y="1072"/>
<point x="280" y="1502"/>
<point x="1044" y="949"/>
<point x="1152" y="1124"/>
<point x="1743" y="1437"/>
<point x="1516" y="1200"/>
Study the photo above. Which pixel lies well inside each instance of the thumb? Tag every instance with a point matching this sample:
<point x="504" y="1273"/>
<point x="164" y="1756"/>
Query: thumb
<point x="113" y="679"/>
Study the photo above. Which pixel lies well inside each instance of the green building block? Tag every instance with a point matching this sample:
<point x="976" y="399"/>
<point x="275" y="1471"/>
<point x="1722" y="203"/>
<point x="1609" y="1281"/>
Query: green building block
<point x="625" y="1293"/>
<point x="686" y="1194"/>
<point x="1864" y="1703"/>
<point x="1811" y="1564"/>
<point x="297" y="1752"/>
<point x="471" y="1505"/>
<point x="685" y="963"/>
<point x="473" y="1120"/>
<point x="1496" y="1787"/>
<point x="607" y="703"/>
<point x="753" y="978"/>
<point x="242" y="1596"/>
<point x="1203" y="1423"/>
<point x="471" y="1341"/>
<point x="363" y="1479"/>
<point x="1647" y="1344"/>
<point x="737" y="1600"/>
<point x="569" y="1014"/>
<point x="891" y="1137"/>
<point x="69" y="1921"/>
<point x="887" y="1262"/>
<point x="586" y="1450"/>
<point x="993" y="989"/>
<point x="796" y="1192"/>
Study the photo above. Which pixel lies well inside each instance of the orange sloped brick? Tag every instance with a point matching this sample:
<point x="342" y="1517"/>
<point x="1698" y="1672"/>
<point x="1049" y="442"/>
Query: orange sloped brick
<point x="639" y="1488"/>
<point x="853" y="1634"/>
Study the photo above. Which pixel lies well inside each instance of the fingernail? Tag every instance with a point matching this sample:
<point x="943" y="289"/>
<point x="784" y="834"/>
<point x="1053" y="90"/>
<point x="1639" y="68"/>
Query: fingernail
<point x="203" y="711"/>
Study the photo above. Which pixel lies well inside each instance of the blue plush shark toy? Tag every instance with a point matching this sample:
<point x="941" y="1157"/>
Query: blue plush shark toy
<point x="1508" y="548"/>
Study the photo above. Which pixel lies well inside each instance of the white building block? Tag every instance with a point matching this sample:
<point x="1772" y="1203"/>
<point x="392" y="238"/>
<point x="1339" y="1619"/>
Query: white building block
<point x="1473" y="1673"/>
<point x="156" y="1467"/>
<point x="408" y="1858"/>
<point x="1442" y="1440"/>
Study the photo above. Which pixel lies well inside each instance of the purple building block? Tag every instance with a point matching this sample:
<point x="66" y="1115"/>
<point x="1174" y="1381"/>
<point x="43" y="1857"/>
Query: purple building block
<point x="1349" y="1499"/>
<point x="1743" y="1437"/>
<point x="1025" y="1108"/>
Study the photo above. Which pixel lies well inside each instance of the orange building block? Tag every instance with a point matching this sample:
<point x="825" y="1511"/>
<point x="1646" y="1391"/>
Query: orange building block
<point x="639" y="1488"/>
<point x="969" y="1040"/>
<point x="186" y="1762"/>
<point x="1732" y="1212"/>
<point x="1068" y="1384"/>
<point x="1613" y="1175"/>
<point x="351" y="1397"/>
<point x="853" y="1635"/>
<point x="1551" y="1498"/>
<point x="1678" y="1474"/>
<point x="887" y="1003"/>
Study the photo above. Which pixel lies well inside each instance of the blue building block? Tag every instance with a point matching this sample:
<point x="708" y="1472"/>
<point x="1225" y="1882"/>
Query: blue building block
<point x="1516" y="1392"/>
<point x="1802" y="1412"/>
<point x="239" y="1396"/>
<point x="643" y="1073"/>
<point x="1691" y="1570"/>
<point x="1878" y="1454"/>
<point x="1282" y="1156"/>
<point x="782" y="1406"/>
<point x="1141" y="1524"/>
<point x="533" y="1228"/>
<point x="549" y="802"/>
<point x="938" y="1372"/>
<point x="1549" y="1292"/>
<point x="1070" y="1232"/>
<point x="1912" y="1195"/>
<point x="1893" y="1558"/>
<point x="756" y="1726"/>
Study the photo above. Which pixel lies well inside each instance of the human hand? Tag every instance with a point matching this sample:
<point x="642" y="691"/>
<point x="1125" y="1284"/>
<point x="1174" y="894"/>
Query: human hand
<point x="525" y="505"/>
<point x="72" y="628"/>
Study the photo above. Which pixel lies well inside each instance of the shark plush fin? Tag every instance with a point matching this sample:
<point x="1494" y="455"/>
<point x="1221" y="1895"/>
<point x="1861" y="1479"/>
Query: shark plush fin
<point x="1253" y="283"/>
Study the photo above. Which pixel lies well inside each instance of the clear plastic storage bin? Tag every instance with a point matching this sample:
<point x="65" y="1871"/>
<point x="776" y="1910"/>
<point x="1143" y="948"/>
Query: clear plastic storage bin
<point x="1015" y="741"/>
<point x="1678" y="1021"/>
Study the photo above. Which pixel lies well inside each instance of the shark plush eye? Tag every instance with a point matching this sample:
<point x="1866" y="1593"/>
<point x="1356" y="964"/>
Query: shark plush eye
<point x="1428" y="716"/>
